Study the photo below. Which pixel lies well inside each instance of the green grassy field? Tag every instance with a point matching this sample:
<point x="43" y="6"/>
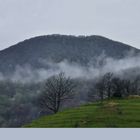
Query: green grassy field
<point x="111" y="114"/>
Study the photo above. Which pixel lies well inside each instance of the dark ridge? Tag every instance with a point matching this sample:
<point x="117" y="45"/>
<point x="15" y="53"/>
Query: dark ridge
<point x="56" y="48"/>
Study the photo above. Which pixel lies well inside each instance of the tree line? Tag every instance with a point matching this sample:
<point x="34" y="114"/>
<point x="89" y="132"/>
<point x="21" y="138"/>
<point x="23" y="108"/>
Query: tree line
<point x="21" y="103"/>
<point x="59" y="89"/>
<point x="110" y="86"/>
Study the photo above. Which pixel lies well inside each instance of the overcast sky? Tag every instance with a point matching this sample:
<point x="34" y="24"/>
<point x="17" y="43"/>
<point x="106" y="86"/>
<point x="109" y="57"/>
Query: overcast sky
<point x="115" y="19"/>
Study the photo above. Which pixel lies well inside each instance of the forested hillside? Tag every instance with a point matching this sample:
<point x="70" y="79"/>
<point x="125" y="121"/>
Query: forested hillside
<point x="37" y="52"/>
<point x="48" y="74"/>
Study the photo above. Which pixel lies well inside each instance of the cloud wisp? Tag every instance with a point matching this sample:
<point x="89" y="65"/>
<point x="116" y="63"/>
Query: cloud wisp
<point x="74" y="70"/>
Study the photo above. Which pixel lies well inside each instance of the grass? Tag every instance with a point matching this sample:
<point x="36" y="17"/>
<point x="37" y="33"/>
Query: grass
<point x="111" y="114"/>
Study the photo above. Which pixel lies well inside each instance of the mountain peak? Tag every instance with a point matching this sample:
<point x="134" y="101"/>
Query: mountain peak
<point x="78" y="49"/>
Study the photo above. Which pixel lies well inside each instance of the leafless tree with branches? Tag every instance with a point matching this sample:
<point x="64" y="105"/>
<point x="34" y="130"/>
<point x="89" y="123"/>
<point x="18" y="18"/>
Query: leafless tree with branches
<point x="57" y="89"/>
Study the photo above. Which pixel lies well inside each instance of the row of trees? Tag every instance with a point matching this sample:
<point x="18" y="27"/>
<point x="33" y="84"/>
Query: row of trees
<point x="109" y="86"/>
<point x="58" y="89"/>
<point x="21" y="103"/>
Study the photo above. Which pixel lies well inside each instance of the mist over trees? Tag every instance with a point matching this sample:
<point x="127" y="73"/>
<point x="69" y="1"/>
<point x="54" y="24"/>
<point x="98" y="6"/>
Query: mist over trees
<point x="31" y="84"/>
<point x="19" y="102"/>
<point x="20" y="95"/>
<point x="57" y="48"/>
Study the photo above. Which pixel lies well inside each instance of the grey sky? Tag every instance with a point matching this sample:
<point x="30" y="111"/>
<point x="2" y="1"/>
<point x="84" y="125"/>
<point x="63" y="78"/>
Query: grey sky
<point x="116" y="19"/>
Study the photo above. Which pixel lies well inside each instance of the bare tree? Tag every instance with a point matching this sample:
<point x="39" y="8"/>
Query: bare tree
<point x="135" y="86"/>
<point x="100" y="88"/>
<point x="57" y="89"/>
<point x="107" y="78"/>
<point x="110" y="86"/>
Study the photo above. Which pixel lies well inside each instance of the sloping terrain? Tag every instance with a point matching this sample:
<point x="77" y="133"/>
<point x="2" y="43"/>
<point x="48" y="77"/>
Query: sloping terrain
<point x="115" y="113"/>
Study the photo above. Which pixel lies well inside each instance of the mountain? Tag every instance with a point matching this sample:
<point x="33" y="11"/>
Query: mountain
<point x="56" y="48"/>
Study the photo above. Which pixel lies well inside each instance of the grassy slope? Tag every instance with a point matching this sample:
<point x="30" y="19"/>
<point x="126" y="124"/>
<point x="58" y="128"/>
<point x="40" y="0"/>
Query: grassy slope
<point x="115" y="113"/>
